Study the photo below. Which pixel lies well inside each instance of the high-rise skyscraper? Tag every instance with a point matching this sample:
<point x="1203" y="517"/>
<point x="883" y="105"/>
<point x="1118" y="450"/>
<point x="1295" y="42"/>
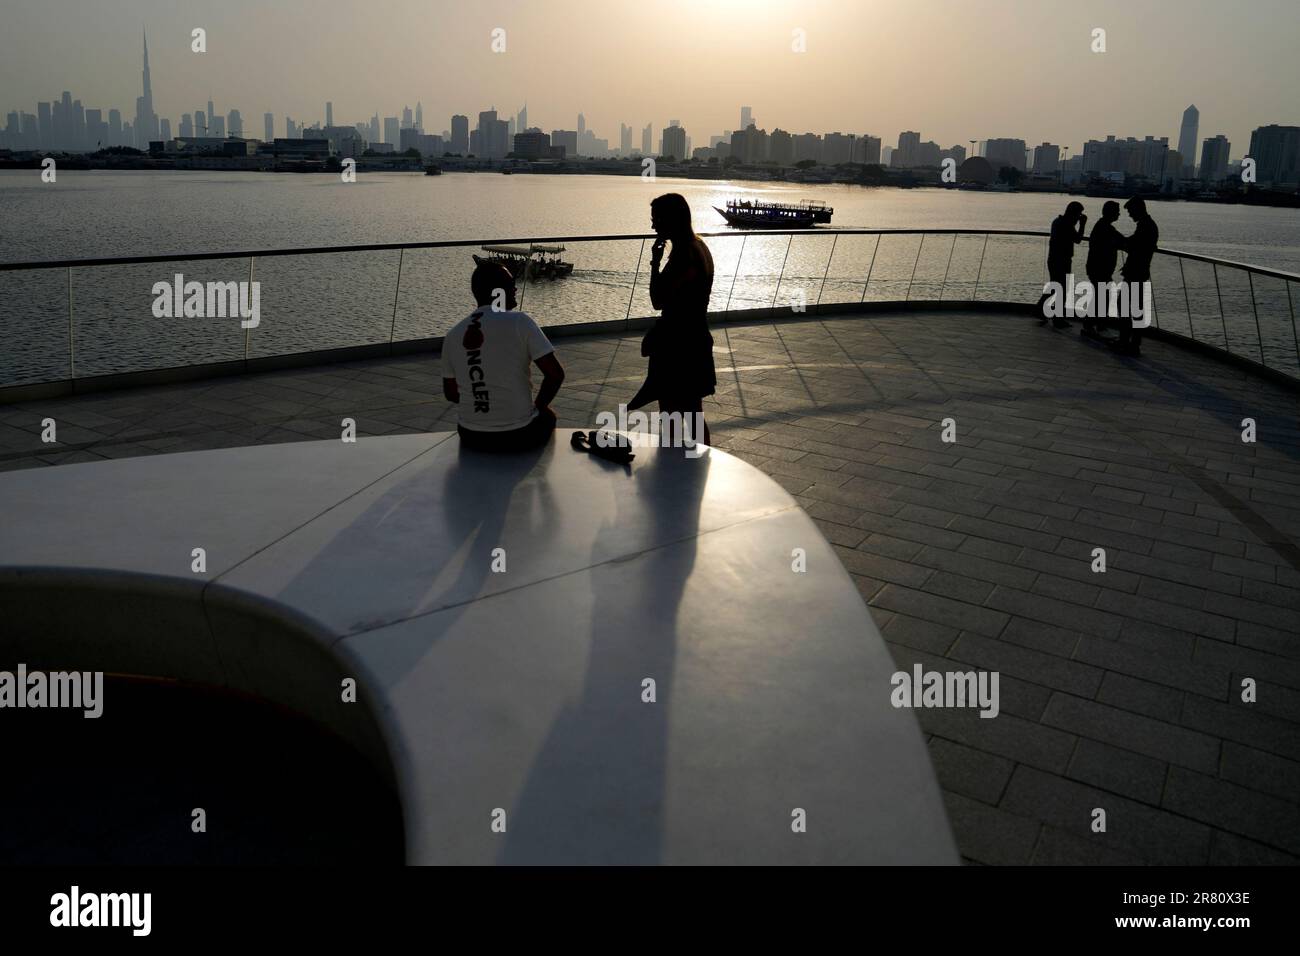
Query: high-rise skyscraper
<point x="1276" y="152"/>
<point x="460" y="134"/>
<point x="212" y="111"/>
<point x="904" y="156"/>
<point x="493" y="136"/>
<point x="200" y="123"/>
<point x="235" y="125"/>
<point x="1047" y="159"/>
<point x="78" y="125"/>
<point x="392" y="131"/>
<point x="329" y="113"/>
<point x="146" y="122"/>
<point x="646" y="135"/>
<point x="625" y="139"/>
<point x="97" y="130"/>
<point x="407" y="120"/>
<point x="582" y="125"/>
<point x="746" y="118"/>
<point x="675" y="142"/>
<point x="419" y="116"/>
<point x="1005" y="152"/>
<point x="1187" y="139"/>
<point x="1214" y="158"/>
<point x="47" y="127"/>
<point x="521" y="121"/>
<point x="268" y="127"/>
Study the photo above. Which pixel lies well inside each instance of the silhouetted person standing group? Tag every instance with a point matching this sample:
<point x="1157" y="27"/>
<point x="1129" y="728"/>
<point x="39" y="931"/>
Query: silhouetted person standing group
<point x="1104" y="246"/>
<point x="1141" y="249"/>
<point x="1067" y="232"/>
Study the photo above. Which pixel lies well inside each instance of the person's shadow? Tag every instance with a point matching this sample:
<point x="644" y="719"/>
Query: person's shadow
<point x="605" y="756"/>
<point x="412" y="566"/>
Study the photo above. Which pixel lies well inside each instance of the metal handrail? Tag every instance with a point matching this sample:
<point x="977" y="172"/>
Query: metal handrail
<point x="462" y="243"/>
<point x="401" y="247"/>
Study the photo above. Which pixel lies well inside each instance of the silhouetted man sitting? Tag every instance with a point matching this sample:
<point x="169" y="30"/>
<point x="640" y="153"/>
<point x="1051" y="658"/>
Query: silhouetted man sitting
<point x="1141" y="247"/>
<point x="1103" y="254"/>
<point x="1067" y="231"/>
<point x="490" y="353"/>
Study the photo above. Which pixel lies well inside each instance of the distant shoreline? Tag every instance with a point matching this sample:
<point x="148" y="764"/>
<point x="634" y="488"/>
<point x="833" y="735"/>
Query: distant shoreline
<point x="901" y="179"/>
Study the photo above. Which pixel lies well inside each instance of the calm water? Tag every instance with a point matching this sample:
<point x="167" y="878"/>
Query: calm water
<point x="324" y="301"/>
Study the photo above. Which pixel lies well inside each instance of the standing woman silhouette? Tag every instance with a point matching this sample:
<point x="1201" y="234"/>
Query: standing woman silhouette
<point x="679" y="346"/>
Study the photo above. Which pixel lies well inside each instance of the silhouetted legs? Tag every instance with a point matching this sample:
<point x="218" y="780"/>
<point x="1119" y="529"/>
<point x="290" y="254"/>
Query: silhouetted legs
<point x="690" y="413"/>
<point x="1059" y="277"/>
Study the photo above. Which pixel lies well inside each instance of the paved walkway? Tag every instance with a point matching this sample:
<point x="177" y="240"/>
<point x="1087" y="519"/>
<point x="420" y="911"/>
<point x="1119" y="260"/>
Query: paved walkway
<point x="1119" y="690"/>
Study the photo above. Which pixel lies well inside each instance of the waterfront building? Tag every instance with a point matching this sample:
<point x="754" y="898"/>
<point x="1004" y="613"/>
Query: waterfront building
<point x="674" y="143"/>
<point x="781" y="147"/>
<point x="567" y="140"/>
<point x="460" y="134"/>
<point x="1214" y="158"/>
<point x="1005" y="152"/>
<point x="146" y="121"/>
<point x="1276" y="151"/>
<point x="1047" y="159"/>
<point x="1130" y="157"/>
<point x="1187" y="140"/>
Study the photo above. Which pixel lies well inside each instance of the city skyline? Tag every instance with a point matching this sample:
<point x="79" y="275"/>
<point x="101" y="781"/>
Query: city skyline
<point x="183" y="81"/>
<point x="73" y="126"/>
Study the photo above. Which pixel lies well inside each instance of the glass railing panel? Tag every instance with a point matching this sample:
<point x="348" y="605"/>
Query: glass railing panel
<point x="895" y="261"/>
<point x="931" y="266"/>
<point x="1167" y="292"/>
<point x="760" y="267"/>
<point x="434" y="293"/>
<point x="596" y="290"/>
<point x="1014" y="269"/>
<point x="962" y="268"/>
<point x="850" y="265"/>
<point x="1202" y="303"/>
<point x="802" y="271"/>
<point x="1239" y="313"/>
<point x="1276" y="329"/>
<point x="127" y="318"/>
<point x="34" y="333"/>
<point x="324" y="301"/>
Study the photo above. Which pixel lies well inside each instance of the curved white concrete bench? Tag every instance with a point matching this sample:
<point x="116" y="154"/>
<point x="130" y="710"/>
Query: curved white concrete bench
<point x="519" y="690"/>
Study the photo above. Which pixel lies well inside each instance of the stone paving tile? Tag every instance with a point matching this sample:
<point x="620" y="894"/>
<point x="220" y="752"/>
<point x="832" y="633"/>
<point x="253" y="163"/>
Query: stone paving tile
<point x="1119" y="689"/>
<point x="1121" y="728"/>
<point x="990" y="835"/>
<point x="1239" y="810"/>
<point x="1118" y="770"/>
<point x="970" y="772"/>
<point x="1131" y="827"/>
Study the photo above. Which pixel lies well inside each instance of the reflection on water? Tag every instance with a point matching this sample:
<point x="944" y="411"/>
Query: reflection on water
<point x="315" y="302"/>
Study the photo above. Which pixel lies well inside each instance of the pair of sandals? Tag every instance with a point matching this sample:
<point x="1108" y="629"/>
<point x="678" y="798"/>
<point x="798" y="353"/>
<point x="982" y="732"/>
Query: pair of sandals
<point x="620" y="452"/>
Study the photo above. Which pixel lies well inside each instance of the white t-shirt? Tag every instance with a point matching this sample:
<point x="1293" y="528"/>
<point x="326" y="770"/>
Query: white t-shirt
<point x="491" y="356"/>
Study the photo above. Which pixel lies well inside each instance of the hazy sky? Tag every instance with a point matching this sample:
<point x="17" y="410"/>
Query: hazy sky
<point x="955" y="70"/>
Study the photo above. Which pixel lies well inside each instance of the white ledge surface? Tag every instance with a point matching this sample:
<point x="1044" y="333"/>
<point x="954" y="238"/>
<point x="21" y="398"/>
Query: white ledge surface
<point x="522" y="690"/>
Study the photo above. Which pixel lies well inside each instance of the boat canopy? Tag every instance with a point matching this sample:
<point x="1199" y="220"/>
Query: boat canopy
<point x="523" y="250"/>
